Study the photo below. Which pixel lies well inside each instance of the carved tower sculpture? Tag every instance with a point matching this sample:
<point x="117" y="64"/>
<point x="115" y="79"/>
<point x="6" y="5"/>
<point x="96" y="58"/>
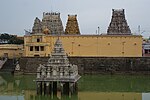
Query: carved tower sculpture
<point x="72" y="25"/>
<point x="118" y="24"/>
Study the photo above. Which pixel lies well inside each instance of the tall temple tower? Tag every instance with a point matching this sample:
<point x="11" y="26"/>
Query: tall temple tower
<point x="53" y="22"/>
<point x="118" y="24"/>
<point x="72" y="25"/>
<point x="50" y="24"/>
<point x="37" y="27"/>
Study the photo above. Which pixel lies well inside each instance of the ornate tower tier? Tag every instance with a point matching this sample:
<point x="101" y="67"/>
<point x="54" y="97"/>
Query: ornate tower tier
<point x="118" y="24"/>
<point x="37" y="27"/>
<point x="72" y="25"/>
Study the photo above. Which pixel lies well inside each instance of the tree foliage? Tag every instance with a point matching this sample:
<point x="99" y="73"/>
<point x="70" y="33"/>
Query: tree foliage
<point x="10" y="39"/>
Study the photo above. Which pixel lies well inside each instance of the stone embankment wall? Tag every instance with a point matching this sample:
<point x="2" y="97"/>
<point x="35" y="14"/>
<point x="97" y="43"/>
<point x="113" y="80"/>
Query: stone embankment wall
<point x="8" y="66"/>
<point x="95" y="65"/>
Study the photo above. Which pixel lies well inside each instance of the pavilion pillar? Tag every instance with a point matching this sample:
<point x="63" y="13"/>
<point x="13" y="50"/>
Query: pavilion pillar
<point x="54" y="88"/>
<point x="50" y="89"/>
<point x="39" y="88"/>
<point x="65" y="91"/>
<point x="76" y="88"/>
<point x="74" y="91"/>
<point x="46" y="88"/>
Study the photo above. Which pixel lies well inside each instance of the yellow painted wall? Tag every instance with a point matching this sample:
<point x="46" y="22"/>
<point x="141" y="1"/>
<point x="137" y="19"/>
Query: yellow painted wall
<point x="11" y="50"/>
<point x="88" y="45"/>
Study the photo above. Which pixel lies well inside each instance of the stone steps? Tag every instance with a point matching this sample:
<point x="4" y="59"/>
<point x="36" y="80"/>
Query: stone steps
<point x="8" y="66"/>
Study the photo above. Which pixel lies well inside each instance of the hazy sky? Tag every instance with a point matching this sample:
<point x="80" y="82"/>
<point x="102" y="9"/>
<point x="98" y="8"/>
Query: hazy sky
<point x="17" y="15"/>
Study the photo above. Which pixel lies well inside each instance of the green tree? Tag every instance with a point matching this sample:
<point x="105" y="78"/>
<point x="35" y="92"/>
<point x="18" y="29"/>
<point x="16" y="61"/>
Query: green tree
<point x="10" y="39"/>
<point x="4" y="37"/>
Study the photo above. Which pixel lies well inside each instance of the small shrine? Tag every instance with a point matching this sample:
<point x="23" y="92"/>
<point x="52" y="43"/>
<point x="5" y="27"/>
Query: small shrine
<point x="58" y="72"/>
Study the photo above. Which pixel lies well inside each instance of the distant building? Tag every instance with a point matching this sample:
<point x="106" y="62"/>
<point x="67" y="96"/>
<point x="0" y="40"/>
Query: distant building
<point x="146" y="48"/>
<point x="72" y="27"/>
<point x="11" y="51"/>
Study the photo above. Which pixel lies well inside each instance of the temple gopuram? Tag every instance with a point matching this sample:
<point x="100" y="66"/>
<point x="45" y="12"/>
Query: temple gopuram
<point x="72" y="25"/>
<point x="50" y="24"/>
<point x="118" y="24"/>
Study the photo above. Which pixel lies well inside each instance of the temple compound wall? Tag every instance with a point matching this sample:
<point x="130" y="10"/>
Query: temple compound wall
<point x="85" y="45"/>
<point x="94" y="65"/>
<point x="117" y="42"/>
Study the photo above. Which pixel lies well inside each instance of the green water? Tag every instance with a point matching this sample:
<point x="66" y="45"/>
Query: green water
<point x="95" y="87"/>
<point x="116" y="83"/>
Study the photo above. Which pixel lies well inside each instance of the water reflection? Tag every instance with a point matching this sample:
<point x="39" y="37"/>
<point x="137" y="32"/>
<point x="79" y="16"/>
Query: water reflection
<point x="11" y="98"/>
<point x="97" y="87"/>
<point x="109" y="96"/>
<point x="145" y="96"/>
